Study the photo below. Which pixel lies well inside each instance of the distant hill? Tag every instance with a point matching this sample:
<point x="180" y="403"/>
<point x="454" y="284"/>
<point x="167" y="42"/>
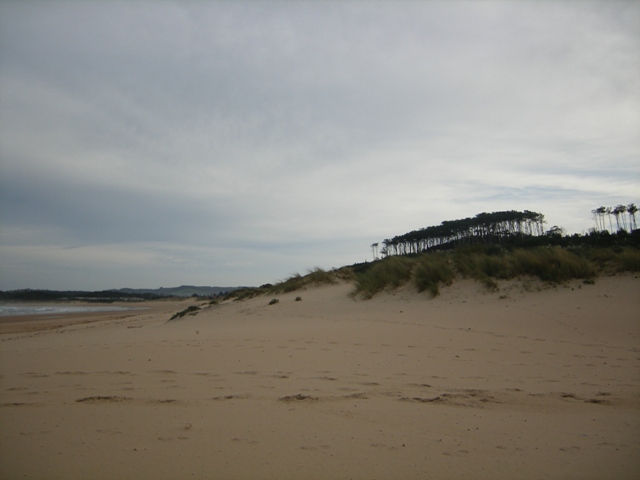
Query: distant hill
<point x="114" y="295"/>
<point x="182" y="291"/>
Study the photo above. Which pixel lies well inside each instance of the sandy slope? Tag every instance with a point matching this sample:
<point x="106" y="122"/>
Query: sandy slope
<point x="514" y="384"/>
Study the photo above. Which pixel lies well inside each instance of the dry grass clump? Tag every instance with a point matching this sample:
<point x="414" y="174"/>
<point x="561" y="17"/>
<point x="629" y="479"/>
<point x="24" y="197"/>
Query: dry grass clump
<point x="247" y="292"/>
<point x="431" y="271"/>
<point x="550" y="264"/>
<point x="392" y="272"/>
<point x="294" y="282"/>
<point x="191" y="310"/>
<point x="427" y="272"/>
<point x="485" y="268"/>
<point x="629" y="260"/>
<point x="603" y="257"/>
<point x="345" y="273"/>
<point x="611" y="260"/>
<point x="478" y="265"/>
<point x="316" y="276"/>
<point x="553" y="264"/>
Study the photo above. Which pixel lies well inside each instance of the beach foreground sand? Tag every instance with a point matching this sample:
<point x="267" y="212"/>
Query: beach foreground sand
<point x="518" y="383"/>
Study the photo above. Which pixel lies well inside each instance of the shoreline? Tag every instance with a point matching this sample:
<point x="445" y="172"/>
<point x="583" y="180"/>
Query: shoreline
<point x="51" y="321"/>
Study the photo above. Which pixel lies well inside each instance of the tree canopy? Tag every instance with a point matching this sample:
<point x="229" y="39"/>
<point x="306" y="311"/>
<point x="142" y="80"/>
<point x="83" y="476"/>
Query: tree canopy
<point x="623" y="222"/>
<point x="496" y="227"/>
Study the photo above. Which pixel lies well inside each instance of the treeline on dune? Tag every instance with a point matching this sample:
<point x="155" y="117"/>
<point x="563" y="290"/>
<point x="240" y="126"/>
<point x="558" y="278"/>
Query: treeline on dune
<point x="487" y="248"/>
<point x="511" y="227"/>
<point x="497" y="227"/>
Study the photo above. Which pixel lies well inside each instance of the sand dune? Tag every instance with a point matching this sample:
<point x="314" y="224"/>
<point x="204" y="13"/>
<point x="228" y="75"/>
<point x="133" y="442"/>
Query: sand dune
<point x="519" y="383"/>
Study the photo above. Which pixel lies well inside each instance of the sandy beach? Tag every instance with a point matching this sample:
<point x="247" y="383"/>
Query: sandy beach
<point x="521" y="383"/>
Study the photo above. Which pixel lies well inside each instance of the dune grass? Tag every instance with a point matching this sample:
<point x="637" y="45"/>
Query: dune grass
<point x="315" y="276"/>
<point x="483" y="267"/>
<point x="629" y="260"/>
<point x="294" y="282"/>
<point x="392" y="272"/>
<point x="553" y="265"/>
<point x="429" y="271"/>
<point x="611" y="260"/>
<point x="191" y="310"/>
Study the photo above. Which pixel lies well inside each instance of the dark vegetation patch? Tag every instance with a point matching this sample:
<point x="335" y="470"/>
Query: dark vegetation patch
<point x="315" y="277"/>
<point x="190" y="310"/>
<point x="299" y="398"/>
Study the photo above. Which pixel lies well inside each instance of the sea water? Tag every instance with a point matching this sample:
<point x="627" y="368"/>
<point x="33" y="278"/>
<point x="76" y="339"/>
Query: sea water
<point x="7" y="310"/>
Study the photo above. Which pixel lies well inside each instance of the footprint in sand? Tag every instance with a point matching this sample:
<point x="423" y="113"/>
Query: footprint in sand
<point x="321" y="447"/>
<point x="458" y="453"/>
<point x="237" y="396"/>
<point x="104" y="399"/>
<point x="572" y="448"/>
<point x="244" y="441"/>
<point x="382" y="445"/>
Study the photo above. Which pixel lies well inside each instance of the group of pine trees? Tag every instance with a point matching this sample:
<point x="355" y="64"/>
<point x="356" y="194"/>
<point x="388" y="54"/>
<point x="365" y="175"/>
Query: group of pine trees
<point x="513" y="228"/>
<point x="496" y="227"/>
<point x="625" y="218"/>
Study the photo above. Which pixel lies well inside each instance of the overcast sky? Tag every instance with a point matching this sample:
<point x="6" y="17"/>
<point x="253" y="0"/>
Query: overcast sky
<point x="148" y="144"/>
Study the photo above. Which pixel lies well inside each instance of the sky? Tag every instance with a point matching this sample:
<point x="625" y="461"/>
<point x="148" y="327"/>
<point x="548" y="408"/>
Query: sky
<point x="147" y="144"/>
